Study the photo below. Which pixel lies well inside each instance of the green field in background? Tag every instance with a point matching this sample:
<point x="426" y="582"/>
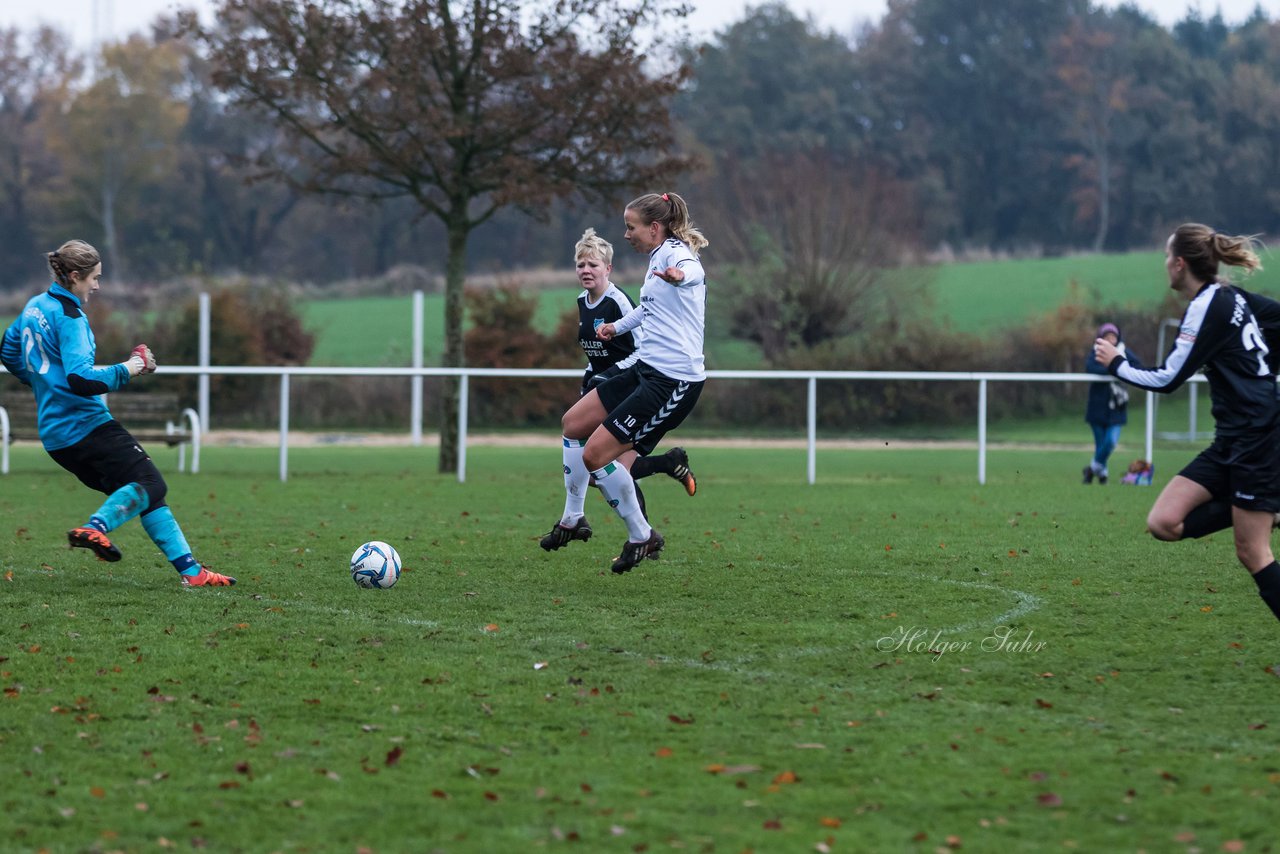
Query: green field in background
<point x="976" y="297"/>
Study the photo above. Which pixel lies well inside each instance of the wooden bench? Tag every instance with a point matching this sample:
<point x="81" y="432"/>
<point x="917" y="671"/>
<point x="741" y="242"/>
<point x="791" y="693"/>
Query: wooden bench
<point x="150" y="418"/>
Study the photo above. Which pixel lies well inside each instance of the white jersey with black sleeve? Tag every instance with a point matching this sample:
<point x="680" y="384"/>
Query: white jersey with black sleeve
<point x="1220" y="333"/>
<point x="673" y="315"/>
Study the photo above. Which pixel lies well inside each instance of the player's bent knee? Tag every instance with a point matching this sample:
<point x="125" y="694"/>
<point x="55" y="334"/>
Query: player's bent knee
<point x="1163" y="528"/>
<point x="155" y="487"/>
<point x="595" y="459"/>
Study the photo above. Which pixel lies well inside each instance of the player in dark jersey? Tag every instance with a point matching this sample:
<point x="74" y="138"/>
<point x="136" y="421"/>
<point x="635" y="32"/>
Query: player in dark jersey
<point x="599" y="303"/>
<point x="51" y="348"/>
<point x="1235" y="482"/>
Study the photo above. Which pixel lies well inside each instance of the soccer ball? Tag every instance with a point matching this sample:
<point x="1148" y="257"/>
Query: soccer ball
<point x="375" y="564"/>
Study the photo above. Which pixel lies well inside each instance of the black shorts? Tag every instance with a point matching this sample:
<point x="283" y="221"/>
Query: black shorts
<point x="1244" y="470"/>
<point x="644" y="404"/>
<point x="107" y="459"/>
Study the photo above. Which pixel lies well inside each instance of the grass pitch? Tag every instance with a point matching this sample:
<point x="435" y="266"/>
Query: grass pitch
<point x="894" y="658"/>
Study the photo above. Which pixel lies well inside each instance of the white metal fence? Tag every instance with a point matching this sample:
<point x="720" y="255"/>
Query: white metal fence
<point x="463" y="375"/>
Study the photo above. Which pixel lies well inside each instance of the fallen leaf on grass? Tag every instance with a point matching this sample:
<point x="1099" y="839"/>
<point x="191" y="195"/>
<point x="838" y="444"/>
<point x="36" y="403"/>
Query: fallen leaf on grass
<point x="773" y="824"/>
<point x="491" y="627"/>
<point x="1233" y="845"/>
<point x="394" y="754"/>
<point x="827" y="821"/>
<point x="786" y="778"/>
<point x="663" y="752"/>
<point x="1049" y="799"/>
<point x="676" y="719"/>
<point x="732" y="769"/>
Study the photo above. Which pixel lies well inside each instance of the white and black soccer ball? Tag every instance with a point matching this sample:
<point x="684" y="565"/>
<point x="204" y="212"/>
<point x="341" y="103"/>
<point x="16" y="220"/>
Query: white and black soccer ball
<point x="375" y="565"/>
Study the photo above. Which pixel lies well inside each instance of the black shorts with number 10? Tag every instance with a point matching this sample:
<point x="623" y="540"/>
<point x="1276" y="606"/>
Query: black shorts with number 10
<point x="644" y="404"/>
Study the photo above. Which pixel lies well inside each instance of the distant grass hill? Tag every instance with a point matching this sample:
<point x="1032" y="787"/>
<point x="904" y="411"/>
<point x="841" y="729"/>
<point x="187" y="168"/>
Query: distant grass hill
<point x="978" y="297"/>
<point x="985" y="296"/>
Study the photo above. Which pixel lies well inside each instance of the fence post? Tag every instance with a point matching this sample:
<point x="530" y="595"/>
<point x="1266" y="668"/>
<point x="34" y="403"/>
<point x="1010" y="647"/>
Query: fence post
<point x="4" y="441"/>
<point x="415" y="402"/>
<point x="284" y="426"/>
<point x="1191" y="421"/>
<point x="982" y="431"/>
<point x="202" y="383"/>
<point x="813" y="429"/>
<point x="462" y="428"/>
<point x="1151" y="425"/>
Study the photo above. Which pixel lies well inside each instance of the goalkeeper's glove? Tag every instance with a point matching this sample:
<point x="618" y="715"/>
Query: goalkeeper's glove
<point x="148" y="358"/>
<point x="140" y="361"/>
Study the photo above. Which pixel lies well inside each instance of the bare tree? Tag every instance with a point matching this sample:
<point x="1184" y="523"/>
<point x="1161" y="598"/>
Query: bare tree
<point x="37" y="71"/>
<point x="466" y="107"/>
<point x="806" y="239"/>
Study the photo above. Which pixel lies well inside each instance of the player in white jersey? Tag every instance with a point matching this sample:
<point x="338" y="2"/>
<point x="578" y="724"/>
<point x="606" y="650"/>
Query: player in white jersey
<point x="601" y="302"/>
<point x="1235" y="482"/>
<point x="636" y="408"/>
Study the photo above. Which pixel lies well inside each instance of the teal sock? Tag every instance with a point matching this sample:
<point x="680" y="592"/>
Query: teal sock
<point x="163" y="530"/>
<point x="121" y="506"/>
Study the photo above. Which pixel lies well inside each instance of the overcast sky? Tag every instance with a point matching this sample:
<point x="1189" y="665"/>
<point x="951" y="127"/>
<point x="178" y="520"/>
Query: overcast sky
<point x="116" y="18"/>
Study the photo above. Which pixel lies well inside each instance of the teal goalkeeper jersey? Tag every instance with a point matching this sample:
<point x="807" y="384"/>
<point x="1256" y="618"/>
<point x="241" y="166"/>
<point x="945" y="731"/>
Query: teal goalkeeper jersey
<point x="51" y="348"/>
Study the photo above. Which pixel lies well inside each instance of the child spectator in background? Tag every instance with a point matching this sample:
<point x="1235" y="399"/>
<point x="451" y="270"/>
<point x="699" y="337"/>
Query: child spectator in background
<point x="1108" y="408"/>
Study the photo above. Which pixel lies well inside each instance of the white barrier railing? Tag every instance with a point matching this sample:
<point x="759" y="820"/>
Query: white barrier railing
<point x="982" y="378"/>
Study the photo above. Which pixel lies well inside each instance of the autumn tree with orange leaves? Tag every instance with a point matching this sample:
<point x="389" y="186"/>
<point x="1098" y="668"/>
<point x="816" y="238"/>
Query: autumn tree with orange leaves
<point x="466" y="108"/>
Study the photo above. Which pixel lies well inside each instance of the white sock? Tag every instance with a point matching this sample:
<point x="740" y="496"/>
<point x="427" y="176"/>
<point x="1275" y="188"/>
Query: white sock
<point x="620" y="490"/>
<point x="576" y="478"/>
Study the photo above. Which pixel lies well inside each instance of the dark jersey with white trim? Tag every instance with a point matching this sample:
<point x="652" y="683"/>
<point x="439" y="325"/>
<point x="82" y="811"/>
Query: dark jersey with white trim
<point x="1220" y="333"/>
<point x="619" y="350"/>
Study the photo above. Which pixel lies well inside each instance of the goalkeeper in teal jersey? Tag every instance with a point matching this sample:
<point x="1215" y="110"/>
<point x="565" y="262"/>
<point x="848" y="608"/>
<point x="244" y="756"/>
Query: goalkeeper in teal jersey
<point x="51" y="348"/>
